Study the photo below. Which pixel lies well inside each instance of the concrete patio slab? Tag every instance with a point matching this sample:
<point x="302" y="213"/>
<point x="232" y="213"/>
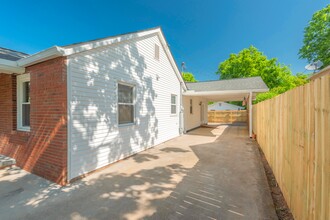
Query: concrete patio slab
<point x="210" y="173"/>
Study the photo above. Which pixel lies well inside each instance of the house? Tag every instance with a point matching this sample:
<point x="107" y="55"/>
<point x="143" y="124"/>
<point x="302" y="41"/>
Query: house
<point x="222" y="106"/>
<point x="322" y="72"/>
<point x="69" y="110"/>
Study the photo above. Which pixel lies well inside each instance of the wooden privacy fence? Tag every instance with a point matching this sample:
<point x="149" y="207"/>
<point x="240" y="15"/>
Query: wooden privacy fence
<point x="293" y="131"/>
<point x="229" y="116"/>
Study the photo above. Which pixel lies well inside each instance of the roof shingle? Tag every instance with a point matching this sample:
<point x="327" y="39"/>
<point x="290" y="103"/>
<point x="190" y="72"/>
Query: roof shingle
<point x="251" y="83"/>
<point x="12" y="55"/>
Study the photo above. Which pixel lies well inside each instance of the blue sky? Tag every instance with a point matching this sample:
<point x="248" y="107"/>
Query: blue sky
<point x="200" y="33"/>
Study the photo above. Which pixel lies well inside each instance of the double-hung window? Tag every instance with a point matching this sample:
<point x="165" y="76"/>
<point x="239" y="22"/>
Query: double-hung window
<point x="126" y="112"/>
<point x="23" y="102"/>
<point x="173" y="104"/>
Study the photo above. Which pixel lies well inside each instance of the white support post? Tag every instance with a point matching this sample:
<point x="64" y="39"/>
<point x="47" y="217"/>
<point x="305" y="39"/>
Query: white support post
<point x="250" y="114"/>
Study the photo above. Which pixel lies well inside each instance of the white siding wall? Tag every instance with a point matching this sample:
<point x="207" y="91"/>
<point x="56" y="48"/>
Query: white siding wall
<point x="96" y="139"/>
<point x="194" y="120"/>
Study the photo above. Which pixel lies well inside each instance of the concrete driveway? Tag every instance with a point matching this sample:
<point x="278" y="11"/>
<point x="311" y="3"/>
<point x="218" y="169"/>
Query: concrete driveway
<point x="209" y="173"/>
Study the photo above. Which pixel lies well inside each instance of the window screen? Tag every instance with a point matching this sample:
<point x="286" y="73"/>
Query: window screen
<point x="125" y="104"/>
<point x="173" y="104"/>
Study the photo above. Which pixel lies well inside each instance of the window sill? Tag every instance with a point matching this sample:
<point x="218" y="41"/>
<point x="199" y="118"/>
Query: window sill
<point x="173" y="115"/>
<point x="27" y="129"/>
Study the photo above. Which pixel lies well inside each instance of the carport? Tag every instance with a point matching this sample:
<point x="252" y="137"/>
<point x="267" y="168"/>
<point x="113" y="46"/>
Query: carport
<point x="241" y="89"/>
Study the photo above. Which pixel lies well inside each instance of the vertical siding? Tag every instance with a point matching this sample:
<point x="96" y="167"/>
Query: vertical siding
<point x="96" y="139"/>
<point x="295" y="137"/>
<point x="193" y="120"/>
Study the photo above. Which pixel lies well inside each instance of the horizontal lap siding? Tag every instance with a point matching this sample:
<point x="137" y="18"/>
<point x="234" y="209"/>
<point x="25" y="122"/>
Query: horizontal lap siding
<point x="96" y="139"/>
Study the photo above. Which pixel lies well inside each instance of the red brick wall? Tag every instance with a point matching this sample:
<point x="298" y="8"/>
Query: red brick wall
<point x="43" y="150"/>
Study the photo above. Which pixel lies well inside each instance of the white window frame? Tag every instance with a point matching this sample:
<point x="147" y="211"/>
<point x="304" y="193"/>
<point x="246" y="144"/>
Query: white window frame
<point x="133" y="104"/>
<point x="176" y="103"/>
<point x="19" y="83"/>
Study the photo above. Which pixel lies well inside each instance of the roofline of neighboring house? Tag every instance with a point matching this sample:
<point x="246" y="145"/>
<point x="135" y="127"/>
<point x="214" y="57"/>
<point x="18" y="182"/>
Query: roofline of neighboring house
<point x="10" y="67"/>
<point x="215" y="103"/>
<point x="322" y="72"/>
<point x="72" y="49"/>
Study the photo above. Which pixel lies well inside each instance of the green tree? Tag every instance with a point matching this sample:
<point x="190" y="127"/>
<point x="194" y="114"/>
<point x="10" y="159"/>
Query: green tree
<point x="188" y="77"/>
<point x="251" y="62"/>
<point x="316" y="43"/>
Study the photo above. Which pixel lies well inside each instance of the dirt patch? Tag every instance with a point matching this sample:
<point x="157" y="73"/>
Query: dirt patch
<point x="282" y="210"/>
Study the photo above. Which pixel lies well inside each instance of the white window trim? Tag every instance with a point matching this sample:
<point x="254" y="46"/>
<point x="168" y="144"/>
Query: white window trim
<point x="176" y="105"/>
<point x="19" y="92"/>
<point x="134" y="104"/>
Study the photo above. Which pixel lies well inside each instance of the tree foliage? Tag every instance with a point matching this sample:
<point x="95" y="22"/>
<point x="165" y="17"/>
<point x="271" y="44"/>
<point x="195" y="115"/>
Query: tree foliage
<point x="316" y="43"/>
<point x="251" y="62"/>
<point x="188" y="77"/>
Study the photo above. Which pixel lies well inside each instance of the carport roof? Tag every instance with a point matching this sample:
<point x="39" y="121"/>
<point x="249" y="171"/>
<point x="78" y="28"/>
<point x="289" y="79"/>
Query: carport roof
<point x="251" y="83"/>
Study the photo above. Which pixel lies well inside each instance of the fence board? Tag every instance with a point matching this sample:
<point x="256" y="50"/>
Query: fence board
<point x="293" y="130"/>
<point x="229" y="116"/>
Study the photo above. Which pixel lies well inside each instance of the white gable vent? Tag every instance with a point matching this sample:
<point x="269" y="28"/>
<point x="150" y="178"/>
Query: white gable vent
<point x="156" y="52"/>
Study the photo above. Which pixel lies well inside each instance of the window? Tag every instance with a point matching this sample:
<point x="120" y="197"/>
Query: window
<point x="156" y="52"/>
<point x="173" y="104"/>
<point x="23" y="102"/>
<point x="125" y="104"/>
<point x="191" y="106"/>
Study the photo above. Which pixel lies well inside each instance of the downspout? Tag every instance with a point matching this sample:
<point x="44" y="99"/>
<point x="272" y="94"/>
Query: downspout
<point x="181" y="120"/>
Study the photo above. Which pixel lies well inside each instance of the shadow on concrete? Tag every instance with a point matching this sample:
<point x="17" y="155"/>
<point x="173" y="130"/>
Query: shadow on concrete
<point x="143" y="157"/>
<point x="174" y="149"/>
<point x="217" y="178"/>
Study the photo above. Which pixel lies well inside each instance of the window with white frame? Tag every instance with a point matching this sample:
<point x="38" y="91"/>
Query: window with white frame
<point x="125" y="104"/>
<point x="23" y="102"/>
<point x="191" y="106"/>
<point x="173" y="104"/>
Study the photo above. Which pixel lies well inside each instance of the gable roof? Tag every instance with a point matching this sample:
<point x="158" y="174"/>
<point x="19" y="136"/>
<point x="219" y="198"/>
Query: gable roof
<point x="109" y="37"/>
<point x="57" y="51"/>
<point x="251" y="83"/>
<point x="12" y="55"/>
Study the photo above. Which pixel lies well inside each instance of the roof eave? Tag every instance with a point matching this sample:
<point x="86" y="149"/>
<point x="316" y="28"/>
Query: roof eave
<point x="10" y="67"/>
<point x="57" y="51"/>
<point x="44" y="55"/>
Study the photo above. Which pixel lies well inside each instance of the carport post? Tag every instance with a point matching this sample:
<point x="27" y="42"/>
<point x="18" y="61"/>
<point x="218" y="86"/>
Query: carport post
<point x="250" y="114"/>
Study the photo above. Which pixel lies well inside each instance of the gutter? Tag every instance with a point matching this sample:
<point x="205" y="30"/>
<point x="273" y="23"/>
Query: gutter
<point x="44" y="55"/>
<point x="10" y="67"/>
